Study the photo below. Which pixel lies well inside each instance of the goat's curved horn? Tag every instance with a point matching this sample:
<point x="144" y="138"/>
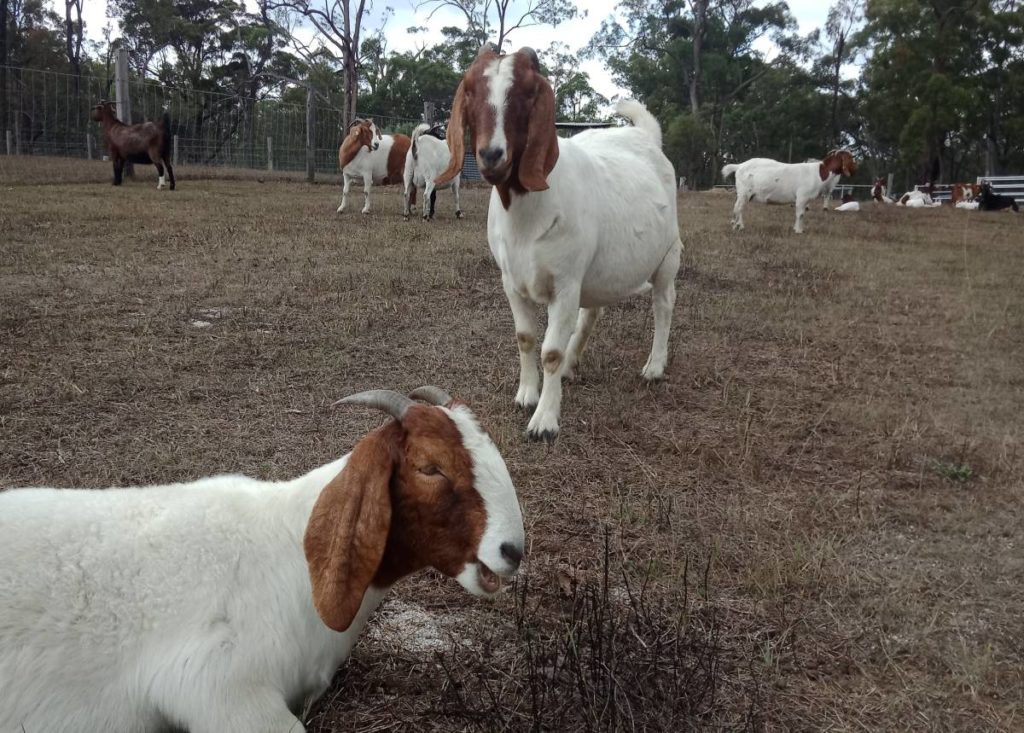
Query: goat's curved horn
<point x="386" y="400"/>
<point x="431" y="395"/>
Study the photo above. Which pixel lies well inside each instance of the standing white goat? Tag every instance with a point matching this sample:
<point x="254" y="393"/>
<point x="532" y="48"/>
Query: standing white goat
<point x="427" y="158"/>
<point x="772" y="182"/>
<point x="225" y="604"/>
<point x="368" y="155"/>
<point x="564" y="229"/>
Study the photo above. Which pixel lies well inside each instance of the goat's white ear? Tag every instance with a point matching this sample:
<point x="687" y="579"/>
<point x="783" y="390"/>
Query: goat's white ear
<point x="348" y="529"/>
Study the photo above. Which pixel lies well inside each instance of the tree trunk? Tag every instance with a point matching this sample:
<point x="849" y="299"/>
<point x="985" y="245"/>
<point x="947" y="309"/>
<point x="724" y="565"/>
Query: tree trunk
<point x="840" y="45"/>
<point x="700" y="16"/>
<point x="4" y="13"/>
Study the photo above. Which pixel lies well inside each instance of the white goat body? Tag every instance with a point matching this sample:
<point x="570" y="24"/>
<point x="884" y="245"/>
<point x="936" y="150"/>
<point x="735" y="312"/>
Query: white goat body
<point x="588" y="242"/>
<point x="380" y="163"/>
<point x="771" y="182"/>
<point x="427" y="158"/>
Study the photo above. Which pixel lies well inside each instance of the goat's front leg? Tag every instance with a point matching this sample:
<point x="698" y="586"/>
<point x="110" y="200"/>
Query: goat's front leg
<point x="584" y="327"/>
<point x="663" y="300"/>
<point x="344" y="191"/>
<point x="458" y="206"/>
<point x="525" y="317"/>
<point x="429" y="197"/>
<point x="801" y="207"/>
<point x="562" y="312"/>
<point x="367" y="184"/>
<point x="259" y="709"/>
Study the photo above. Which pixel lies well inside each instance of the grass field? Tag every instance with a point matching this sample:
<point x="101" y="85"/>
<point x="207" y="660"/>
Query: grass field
<point x="814" y="523"/>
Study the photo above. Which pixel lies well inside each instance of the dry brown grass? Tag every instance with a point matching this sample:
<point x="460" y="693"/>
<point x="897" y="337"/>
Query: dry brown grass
<point x="814" y="523"/>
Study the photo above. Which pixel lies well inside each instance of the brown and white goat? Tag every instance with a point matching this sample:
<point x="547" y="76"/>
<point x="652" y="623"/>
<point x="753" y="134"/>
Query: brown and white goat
<point x="227" y="604"/>
<point x="375" y="158"/>
<point x="574" y="224"/>
<point x="146" y="142"/>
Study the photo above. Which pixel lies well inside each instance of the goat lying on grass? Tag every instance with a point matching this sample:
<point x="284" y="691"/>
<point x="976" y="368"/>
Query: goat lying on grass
<point x="226" y="603"/>
<point x="146" y="142"/>
<point x="772" y="182"/>
<point x="564" y="229"/>
<point x="989" y="200"/>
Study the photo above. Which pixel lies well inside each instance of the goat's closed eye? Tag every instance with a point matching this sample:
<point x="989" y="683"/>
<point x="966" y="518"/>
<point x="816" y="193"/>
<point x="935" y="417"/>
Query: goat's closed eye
<point x="430" y="470"/>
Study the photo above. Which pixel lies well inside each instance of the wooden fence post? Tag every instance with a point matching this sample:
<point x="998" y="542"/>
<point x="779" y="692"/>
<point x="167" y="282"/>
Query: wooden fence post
<point x="17" y="132"/>
<point x="10" y="143"/>
<point x="88" y="146"/>
<point x="270" y="153"/>
<point x="888" y="185"/>
<point x="310" y="136"/>
<point x="174" y="155"/>
<point x="124" y="103"/>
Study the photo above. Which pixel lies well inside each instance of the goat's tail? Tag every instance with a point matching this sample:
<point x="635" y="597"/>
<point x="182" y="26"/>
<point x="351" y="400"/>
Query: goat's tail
<point x="728" y="170"/>
<point x="420" y="129"/>
<point x="637" y="113"/>
<point x="165" y="142"/>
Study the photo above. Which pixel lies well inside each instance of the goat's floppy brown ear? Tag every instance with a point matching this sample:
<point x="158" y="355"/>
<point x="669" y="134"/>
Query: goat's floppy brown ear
<point x="456" y="138"/>
<point x="348" y="529"/>
<point x="541" y="151"/>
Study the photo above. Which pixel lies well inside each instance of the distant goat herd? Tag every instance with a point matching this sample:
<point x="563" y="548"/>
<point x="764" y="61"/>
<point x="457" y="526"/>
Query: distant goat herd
<point x="226" y="604"/>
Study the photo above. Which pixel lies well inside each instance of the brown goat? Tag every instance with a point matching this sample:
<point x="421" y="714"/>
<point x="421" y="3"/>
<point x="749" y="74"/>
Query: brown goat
<point x="146" y="142"/>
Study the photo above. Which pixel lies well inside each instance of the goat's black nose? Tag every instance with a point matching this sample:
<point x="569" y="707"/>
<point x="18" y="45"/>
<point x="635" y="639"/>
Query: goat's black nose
<point x="511" y="553"/>
<point x="491" y="156"/>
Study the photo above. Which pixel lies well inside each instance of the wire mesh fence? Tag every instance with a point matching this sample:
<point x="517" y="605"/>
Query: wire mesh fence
<point x="48" y="114"/>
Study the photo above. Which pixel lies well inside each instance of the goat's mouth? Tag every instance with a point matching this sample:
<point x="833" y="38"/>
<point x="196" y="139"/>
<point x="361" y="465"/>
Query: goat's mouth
<point x="497" y="175"/>
<point x="489" y="580"/>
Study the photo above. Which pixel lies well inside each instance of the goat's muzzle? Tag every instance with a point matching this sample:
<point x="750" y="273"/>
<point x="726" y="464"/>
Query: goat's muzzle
<point x="494" y="166"/>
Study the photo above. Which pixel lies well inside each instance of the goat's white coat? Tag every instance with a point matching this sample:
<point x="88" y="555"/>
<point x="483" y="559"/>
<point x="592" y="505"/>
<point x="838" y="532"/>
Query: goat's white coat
<point x="588" y="242"/>
<point x="849" y="206"/>
<point x="771" y="182"/>
<point x="918" y="200"/>
<point x="370" y="166"/>
<point x="430" y="160"/>
<point x="186" y="605"/>
<point x="971" y="205"/>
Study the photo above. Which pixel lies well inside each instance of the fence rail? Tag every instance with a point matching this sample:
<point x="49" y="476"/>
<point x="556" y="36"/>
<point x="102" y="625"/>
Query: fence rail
<point x="48" y="114"/>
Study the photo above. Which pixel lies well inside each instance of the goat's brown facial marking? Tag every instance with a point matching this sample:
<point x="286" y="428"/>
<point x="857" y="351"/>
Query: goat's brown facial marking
<point x="439" y="515"/>
<point x="360" y="135"/>
<point x="509" y="110"/>
<point x="838" y="161"/>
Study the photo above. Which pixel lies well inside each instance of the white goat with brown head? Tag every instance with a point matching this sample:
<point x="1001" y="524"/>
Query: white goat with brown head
<point x="228" y="603"/>
<point x="564" y="228"/>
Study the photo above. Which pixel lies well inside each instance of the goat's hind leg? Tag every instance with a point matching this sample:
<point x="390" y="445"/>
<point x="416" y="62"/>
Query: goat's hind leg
<point x="458" y="205"/>
<point x="663" y="300"/>
<point x="737" y="211"/>
<point x="578" y="343"/>
<point x="154" y="155"/>
<point x="255" y="710"/>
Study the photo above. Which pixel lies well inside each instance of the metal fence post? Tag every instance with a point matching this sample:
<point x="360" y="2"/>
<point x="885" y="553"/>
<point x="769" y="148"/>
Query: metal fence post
<point x="270" y="154"/>
<point x="174" y="155"/>
<point x="310" y="136"/>
<point x="124" y="103"/>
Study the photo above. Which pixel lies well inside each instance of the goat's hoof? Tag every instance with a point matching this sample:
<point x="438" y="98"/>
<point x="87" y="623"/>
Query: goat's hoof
<point x="341" y="210"/>
<point x="653" y="373"/>
<point x="458" y="214"/>
<point x="364" y="212"/>
<point x="548" y="436"/>
<point x="405" y="217"/>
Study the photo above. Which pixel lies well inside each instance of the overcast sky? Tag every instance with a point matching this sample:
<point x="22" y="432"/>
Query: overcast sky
<point x="810" y="14"/>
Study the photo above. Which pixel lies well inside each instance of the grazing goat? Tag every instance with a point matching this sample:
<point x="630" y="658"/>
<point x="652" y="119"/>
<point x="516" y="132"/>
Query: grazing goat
<point x="565" y="230"/>
<point x="427" y="158"/>
<point x="880" y="194"/>
<point x="375" y="158"/>
<point x="227" y="604"/>
<point x="772" y="182"/>
<point x="146" y="142"/>
<point x="989" y="200"/>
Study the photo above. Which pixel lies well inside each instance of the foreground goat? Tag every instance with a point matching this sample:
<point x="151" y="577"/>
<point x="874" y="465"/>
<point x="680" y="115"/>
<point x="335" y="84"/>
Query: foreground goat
<point x="989" y="200"/>
<point x="562" y="226"/>
<point x="772" y="182"/>
<point x="372" y="157"/>
<point x="147" y="142"/>
<point x="427" y="158"/>
<point x="228" y="603"/>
